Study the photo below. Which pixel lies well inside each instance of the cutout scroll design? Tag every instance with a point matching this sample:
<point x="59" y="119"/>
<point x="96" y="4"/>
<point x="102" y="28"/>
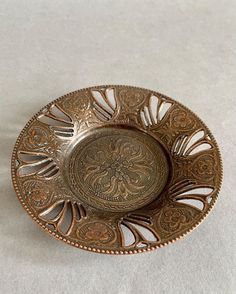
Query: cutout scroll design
<point x="191" y="194"/>
<point x="36" y="163"/>
<point x="186" y="145"/>
<point x="104" y="104"/>
<point x="136" y="230"/>
<point x="63" y="215"/>
<point x="58" y="120"/>
<point x="154" y="111"/>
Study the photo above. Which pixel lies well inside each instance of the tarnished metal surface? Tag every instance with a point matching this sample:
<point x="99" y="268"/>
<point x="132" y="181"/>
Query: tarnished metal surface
<point x="116" y="169"/>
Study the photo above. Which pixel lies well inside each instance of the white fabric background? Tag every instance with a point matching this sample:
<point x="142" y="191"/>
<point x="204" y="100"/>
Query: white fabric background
<point x="185" y="49"/>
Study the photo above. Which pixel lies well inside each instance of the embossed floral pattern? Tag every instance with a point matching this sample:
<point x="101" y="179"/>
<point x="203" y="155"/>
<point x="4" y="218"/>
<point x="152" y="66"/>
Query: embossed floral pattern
<point x="173" y="219"/>
<point x="38" y="193"/>
<point x="117" y="167"/>
<point x="96" y="232"/>
<point x="77" y="104"/>
<point x="204" y="166"/>
<point x="181" y="120"/>
<point x="115" y="171"/>
<point x="131" y="98"/>
<point x="37" y="137"/>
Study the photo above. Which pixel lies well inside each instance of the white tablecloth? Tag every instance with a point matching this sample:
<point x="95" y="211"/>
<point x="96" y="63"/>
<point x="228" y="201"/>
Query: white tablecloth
<point x="185" y="49"/>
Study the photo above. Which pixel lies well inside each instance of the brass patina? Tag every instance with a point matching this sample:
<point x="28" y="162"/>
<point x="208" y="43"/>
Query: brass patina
<point x="116" y="169"/>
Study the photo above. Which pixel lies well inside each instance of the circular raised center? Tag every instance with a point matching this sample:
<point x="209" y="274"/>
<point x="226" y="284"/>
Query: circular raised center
<point x="117" y="169"/>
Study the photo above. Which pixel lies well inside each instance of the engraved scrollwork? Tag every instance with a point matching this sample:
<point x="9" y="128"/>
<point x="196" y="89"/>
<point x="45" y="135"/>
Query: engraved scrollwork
<point x="77" y="104"/>
<point x="117" y="170"/>
<point x="39" y="138"/>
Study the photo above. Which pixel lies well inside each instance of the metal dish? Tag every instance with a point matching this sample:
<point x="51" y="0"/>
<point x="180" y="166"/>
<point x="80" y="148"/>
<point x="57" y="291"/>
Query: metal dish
<point x="116" y="169"/>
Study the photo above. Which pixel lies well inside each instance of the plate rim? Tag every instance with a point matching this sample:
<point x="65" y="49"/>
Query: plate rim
<point x="108" y="251"/>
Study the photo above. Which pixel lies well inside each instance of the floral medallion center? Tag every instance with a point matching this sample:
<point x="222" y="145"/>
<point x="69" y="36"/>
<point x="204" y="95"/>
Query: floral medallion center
<point x="118" y="170"/>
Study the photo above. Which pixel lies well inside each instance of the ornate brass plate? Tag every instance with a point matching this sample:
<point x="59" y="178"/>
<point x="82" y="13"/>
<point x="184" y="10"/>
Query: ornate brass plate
<point x="116" y="169"/>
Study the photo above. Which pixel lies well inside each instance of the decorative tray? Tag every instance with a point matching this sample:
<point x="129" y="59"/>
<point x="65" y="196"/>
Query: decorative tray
<point x="116" y="169"/>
